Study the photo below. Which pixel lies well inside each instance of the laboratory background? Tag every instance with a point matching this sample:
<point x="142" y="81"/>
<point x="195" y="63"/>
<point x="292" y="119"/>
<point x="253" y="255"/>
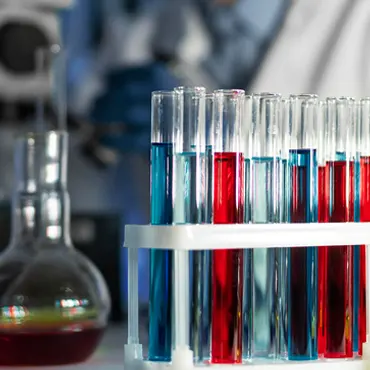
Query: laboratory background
<point x="114" y="53"/>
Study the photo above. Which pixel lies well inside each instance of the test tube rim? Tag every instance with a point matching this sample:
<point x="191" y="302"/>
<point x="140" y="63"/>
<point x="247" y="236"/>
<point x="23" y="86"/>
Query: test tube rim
<point x="349" y="99"/>
<point x="163" y="93"/>
<point x="303" y="96"/>
<point x="188" y="89"/>
<point x="266" y="95"/>
<point x="229" y="93"/>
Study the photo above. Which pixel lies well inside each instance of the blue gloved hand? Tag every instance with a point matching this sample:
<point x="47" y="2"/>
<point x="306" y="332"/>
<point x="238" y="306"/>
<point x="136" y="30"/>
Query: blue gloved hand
<point x="128" y="101"/>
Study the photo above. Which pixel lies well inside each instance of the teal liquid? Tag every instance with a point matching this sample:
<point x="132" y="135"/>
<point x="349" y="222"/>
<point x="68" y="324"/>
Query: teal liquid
<point x="283" y="262"/>
<point x="193" y="205"/>
<point x="263" y="303"/>
<point x="160" y="287"/>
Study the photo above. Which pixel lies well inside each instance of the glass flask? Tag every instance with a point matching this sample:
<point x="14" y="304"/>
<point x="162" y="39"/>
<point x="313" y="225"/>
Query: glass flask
<point x="54" y="303"/>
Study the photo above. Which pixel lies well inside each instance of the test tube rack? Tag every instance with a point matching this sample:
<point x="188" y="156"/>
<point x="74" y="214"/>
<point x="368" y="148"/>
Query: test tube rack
<point x="241" y="236"/>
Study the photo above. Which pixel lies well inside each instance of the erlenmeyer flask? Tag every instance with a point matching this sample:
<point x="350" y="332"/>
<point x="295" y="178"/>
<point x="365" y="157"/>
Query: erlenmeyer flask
<point x="54" y="303"/>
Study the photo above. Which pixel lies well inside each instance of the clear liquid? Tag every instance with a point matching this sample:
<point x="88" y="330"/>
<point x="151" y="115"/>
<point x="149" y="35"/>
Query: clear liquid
<point x="160" y="287"/>
<point x="263" y="267"/>
<point x="285" y="188"/>
<point x="193" y="194"/>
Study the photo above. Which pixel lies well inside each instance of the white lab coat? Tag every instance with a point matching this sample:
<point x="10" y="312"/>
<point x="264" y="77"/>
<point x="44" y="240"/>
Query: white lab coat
<point x="322" y="48"/>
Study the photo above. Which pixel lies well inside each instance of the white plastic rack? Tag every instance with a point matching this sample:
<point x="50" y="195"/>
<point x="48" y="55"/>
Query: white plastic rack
<point x="212" y="237"/>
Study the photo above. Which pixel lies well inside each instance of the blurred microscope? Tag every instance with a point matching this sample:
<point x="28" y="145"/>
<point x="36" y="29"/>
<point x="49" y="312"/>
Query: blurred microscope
<point x="27" y="26"/>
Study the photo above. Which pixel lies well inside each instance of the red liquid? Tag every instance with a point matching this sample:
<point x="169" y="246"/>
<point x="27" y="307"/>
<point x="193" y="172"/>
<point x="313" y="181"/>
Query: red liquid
<point x="48" y="348"/>
<point x="337" y="274"/>
<point x="364" y="217"/>
<point x="323" y="216"/>
<point x="227" y="265"/>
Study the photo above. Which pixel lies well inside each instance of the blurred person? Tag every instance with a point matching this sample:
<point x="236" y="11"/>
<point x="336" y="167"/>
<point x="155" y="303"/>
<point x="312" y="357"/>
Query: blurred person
<point x="124" y="49"/>
<point x="110" y="76"/>
<point x="119" y="51"/>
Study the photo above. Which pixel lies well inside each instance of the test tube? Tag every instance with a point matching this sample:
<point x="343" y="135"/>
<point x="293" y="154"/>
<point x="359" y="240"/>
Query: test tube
<point x="360" y="281"/>
<point x="189" y="197"/>
<point x="285" y="191"/>
<point x="323" y="200"/>
<point x="356" y="249"/>
<point x="247" y="335"/>
<point x="266" y="197"/>
<point x="228" y="201"/>
<point x="302" y="262"/>
<point x="338" y="269"/>
<point x="200" y="323"/>
<point x="160" y="285"/>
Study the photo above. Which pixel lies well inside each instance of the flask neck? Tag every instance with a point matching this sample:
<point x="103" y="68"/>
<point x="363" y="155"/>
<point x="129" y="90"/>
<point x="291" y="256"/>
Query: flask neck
<point x="41" y="211"/>
<point x="55" y="218"/>
<point x="41" y="219"/>
<point x="25" y="218"/>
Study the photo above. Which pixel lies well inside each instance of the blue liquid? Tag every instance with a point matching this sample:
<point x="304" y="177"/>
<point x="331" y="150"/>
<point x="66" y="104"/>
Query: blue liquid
<point x="356" y="263"/>
<point x="160" y="287"/>
<point x="302" y="262"/>
<point x="265" y="197"/>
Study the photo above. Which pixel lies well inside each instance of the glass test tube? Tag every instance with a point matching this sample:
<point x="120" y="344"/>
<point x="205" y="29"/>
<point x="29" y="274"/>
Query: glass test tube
<point x="338" y="271"/>
<point x="189" y="197"/>
<point x="160" y="285"/>
<point x="323" y="200"/>
<point x="228" y="200"/>
<point x="364" y="151"/>
<point x="356" y="249"/>
<point x="266" y="199"/>
<point x="200" y="323"/>
<point x="302" y="262"/>
<point x="247" y="333"/>
<point x="285" y="191"/>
